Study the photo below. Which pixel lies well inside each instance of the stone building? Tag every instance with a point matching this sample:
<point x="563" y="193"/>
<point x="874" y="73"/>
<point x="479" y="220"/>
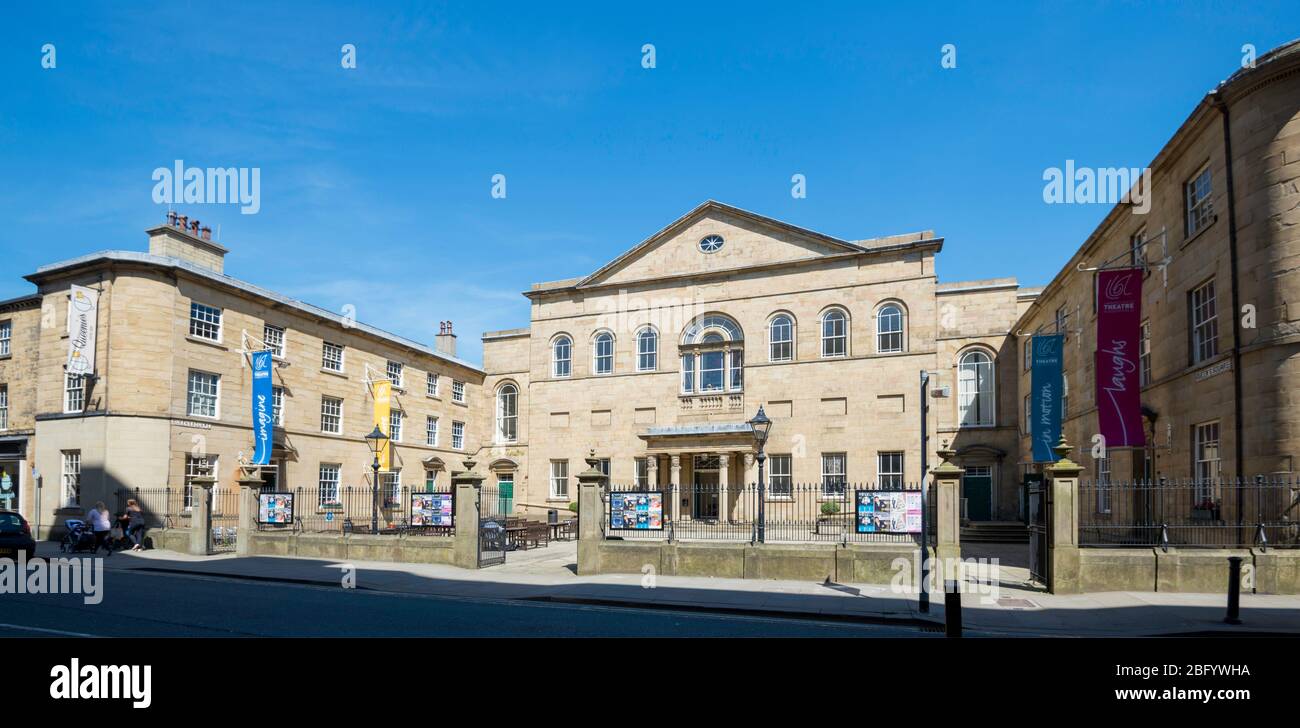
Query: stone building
<point x="1219" y="246"/>
<point x="658" y="359"/>
<point x="170" y="393"/>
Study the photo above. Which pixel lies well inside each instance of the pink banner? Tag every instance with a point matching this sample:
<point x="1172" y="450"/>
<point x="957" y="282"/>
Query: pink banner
<point x="1119" y="322"/>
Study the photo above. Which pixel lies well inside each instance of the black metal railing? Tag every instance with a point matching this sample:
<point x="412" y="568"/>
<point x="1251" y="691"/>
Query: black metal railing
<point x="792" y="513"/>
<point x="349" y="508"/>
<point x="162" y="507"/>
<point x="1223" y="512"/>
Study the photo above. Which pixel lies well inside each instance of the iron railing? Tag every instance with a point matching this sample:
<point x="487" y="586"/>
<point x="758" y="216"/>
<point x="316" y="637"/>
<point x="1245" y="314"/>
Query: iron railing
<point x="348" y="509"/>
<point x="1219" y="513"/>
<point x="162" y="507"/>
<point x="792" y="513"/>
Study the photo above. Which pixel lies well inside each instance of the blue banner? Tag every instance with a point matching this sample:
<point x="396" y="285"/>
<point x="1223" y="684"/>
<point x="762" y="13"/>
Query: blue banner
<point x="1045" y="400"/>
<point x="263" y="408"/>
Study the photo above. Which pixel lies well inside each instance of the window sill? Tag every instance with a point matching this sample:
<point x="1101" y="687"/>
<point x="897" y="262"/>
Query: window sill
<point x="1197" y="235"/>
<point x="460" y="403"/>
<point x="433" y="397"/>
<point x="207" y="342"/>
<point x="332" y="372"/>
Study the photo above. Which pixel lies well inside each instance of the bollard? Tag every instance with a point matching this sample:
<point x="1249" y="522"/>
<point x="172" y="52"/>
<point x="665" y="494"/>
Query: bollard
<point x="951" y="609"/>
<point x="1234" y="590"/>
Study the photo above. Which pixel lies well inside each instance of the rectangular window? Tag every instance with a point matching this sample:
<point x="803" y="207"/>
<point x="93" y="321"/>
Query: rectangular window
<point x="781" y="480"/>
<point x="559" y="478"/>
<point x="205" y="322"/>
<point x="604" y="354"/>
<point x="1103" y="485"/>
<point x="1138" y="248"/>
<point x="1144" y="353"/>
<point x="457" y="391"/>
<point x="647" y="352"/>
<point x="834" y="473"/>
<point x="431" y="480"/>
<point x="331" y="357"/>
<point x="4" y="406"/>
<point x="1205" y="454"/>
<point x="1062" y="318"/>
<point x="74" y="393"/>
<point x="273" y="338"/>
<point x="711" y="370"/>
<point x="458" y="435"/>
<point x="1200" y="209"/>
<point x="1065" y="394"/>
<point x="431" y="384"/>
<point x="204" y="392"/>
<point x="1028" y="348"/>
<point x="737" y="362"/>
<point x="71" y="478"/>
<point x="641" y="470"/>
<point x="431" y="431"/>
<point x="331" y="415"/>
<point x="780" y="339"/>
<point x="6" y="333"/>
<point x="395" y="425"/>
<point x="328" y="485"/>
<point x="1204" y="322"/>
<point x="688" y="373"/>
<point x="395" y="371"/>
<point x="889" y="469"/>
<point x="195" y="467"/>
<point x="390" y="484"/>
<point x="277" y="406"/>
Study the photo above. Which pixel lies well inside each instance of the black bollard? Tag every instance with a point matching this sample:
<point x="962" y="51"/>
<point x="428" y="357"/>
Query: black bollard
<point x="1234" y="590"/>
<point x="951" y="609"/>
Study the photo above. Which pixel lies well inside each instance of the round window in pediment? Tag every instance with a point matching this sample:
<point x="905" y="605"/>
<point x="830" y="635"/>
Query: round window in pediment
<point x="711" y="243"/>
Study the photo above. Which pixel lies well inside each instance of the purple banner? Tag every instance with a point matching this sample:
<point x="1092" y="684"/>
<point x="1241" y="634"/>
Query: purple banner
<point x="1119" y="320"/>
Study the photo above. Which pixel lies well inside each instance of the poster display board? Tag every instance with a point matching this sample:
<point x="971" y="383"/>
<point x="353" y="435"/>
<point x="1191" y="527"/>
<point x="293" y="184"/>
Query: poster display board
<point x="888" y="511"/>
<point x="431" y="509"/>
<point x="641" y="511"/>
<point x="275" y="508"/>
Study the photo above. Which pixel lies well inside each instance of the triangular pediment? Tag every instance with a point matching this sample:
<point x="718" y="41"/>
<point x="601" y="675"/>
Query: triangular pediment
<point x="747" y="240"/>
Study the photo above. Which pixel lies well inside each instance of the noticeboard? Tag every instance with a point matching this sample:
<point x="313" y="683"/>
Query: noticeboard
<point x="887" y="511"/>
<point x="639" y="511"/>
<point x="431" y="509"/>
<point x="275" y="509"/>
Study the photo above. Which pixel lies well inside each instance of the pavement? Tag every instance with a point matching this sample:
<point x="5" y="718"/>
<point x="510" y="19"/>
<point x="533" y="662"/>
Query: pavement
<point x="547" y="576"/>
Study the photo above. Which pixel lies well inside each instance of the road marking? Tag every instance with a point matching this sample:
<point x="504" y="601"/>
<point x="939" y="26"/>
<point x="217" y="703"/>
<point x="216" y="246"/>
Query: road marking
<point x="48" y="631"/>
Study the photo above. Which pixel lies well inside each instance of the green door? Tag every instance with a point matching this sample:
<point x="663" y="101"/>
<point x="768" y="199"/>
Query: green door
<point x="977" y="489"/>
<point x="505" y="493"/>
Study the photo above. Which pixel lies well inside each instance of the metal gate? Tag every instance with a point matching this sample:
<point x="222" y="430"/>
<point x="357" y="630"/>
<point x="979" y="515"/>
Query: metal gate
<point x="492" y="524"/>
<point x="1037" y="505"/>
<point x="225" y="519"/>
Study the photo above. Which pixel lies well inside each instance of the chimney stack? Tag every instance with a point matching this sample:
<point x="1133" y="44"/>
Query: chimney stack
<point x="445" y="342"/>
<point x="188" y="240"/>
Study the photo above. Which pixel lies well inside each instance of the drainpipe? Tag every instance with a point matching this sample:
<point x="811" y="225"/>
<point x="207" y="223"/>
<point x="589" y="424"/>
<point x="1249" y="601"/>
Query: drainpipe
<point x="1219" y="103"/>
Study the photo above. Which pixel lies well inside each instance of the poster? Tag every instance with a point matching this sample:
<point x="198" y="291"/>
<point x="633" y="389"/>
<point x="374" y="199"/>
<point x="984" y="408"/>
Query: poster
<point x="275" y="508"/>
<point x="1119" y="323"/>
<point x="642" y="511"/>
<point x="383" y="392"/>
<point x="888" y="511"/>
<point x="1047" y="386"/>
<point x="431" y="509"/>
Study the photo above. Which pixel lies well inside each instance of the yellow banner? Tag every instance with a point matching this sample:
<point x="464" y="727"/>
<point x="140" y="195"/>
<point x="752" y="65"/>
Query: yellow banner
<point x="383" y="392"/>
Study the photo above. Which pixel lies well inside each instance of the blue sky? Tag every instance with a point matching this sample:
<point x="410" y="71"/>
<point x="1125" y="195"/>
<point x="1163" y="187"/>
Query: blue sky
<point x="375" y="181"/>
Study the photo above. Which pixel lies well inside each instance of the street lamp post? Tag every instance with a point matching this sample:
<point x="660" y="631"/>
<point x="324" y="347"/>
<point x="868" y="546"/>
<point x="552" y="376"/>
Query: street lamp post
<point x="761" y="425"/>
<point x="375" y="441"/>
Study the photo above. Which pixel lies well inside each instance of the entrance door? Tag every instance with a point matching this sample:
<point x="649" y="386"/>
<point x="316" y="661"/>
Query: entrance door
<point x="505" y="493"/>
<point x="977" y="489"/>
<point x="704" y="504"/>
<point x="271" y="478"/>
<point x="9" y="486"/>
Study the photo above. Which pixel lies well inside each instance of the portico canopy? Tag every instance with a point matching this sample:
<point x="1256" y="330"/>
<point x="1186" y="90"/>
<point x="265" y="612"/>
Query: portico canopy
<point x="711" y="437"/>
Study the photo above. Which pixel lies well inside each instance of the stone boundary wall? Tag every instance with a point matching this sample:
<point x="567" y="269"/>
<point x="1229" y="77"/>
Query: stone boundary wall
<point x="1200" y="571"/>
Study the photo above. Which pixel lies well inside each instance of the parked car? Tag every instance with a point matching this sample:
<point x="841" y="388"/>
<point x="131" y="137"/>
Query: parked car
<point x="15" y="536"/>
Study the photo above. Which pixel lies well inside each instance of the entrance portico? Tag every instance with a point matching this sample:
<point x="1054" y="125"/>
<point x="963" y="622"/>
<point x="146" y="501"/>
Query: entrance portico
<point x="706" y="464"/>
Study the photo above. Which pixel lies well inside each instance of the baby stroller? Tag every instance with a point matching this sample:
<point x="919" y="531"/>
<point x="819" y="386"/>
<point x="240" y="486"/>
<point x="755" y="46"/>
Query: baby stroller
<point x="78" y="538"/>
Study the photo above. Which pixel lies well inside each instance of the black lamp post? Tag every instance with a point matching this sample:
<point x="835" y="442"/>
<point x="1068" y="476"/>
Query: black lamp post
<point x="761" y="425"/>
<point x="376" y="441"/>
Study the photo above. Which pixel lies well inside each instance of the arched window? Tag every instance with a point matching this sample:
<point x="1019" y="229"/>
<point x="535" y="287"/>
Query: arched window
<point x="507" y="413"/>
<point x="647" y="350"/>
<point x="975" y="396"/>
<point x="835" y="333"/>
<point x="780" y="339"/>
<point x="562" y="357"/>
<point x="889" y="329"/>
<point x="603" y="353"/>
<point x="713" y="357"/>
